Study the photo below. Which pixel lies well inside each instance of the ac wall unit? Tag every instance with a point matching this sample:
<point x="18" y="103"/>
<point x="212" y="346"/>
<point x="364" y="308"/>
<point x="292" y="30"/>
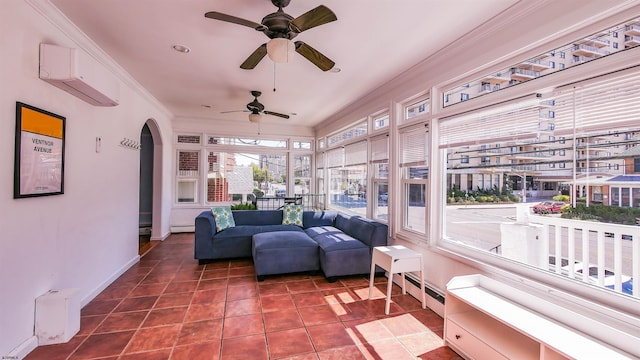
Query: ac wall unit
<point x="78" y="74"/>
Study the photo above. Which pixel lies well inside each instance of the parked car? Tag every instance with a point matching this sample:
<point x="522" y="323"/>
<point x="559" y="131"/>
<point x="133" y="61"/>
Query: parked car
<point x="548" y="207"/>
<point x="383" y="197"/>
<point x="281" y="193"/>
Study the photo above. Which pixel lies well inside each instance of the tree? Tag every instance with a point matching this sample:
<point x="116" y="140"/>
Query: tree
<point x="259" y="174"/>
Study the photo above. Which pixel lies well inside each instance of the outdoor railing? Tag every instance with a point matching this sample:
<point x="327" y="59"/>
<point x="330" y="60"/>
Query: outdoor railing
<point x="308" y="201"/>
<point x="617" y="250"/>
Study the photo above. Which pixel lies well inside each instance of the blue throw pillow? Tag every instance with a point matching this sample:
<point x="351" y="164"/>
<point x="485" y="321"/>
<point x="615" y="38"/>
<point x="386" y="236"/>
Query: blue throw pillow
<point x="292" y="215"/>
<point x="223" y="217"/>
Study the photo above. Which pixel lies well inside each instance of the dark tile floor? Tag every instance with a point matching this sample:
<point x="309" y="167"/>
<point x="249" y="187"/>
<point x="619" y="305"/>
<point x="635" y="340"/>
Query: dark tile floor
<point x="169" y="307"/>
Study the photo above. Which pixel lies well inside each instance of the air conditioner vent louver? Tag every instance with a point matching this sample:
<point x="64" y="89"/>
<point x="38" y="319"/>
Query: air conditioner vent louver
<point x="78" y="74"/>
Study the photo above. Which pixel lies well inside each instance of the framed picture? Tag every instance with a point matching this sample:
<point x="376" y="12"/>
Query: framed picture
<point x="39" y="154"/>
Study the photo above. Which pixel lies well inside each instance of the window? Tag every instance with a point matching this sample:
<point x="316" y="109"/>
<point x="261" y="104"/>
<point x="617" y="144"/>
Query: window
<point x="302" y="174"/>
<point x="248" y="142"/>
<point x="320" y="183"/>
<point x="348" y="178"/>
<point x="349" y="134"/>
<point x="381" y="122"/>
<point x="533" y="172"/>
<point x="230" y="169"/>
<point x="188" y="139"/>
<point x="379" y="168"/>
<point x="414" y="176"/>
<point x="416" y="109"/>
<point x="217" y="181"/>
<point x="187" y="176"/>
<point x="581" y="51"/>
<point x="306" y="145"/>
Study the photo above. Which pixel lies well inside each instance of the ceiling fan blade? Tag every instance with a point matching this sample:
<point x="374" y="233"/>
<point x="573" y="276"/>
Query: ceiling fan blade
<point x="276" y="114"/>
<point x="236" y="20"/>
<point x="254" y="58"/>
<point x="312" y="18"/>
<point x="233" y="111"/>
<point x="313" y="55"/>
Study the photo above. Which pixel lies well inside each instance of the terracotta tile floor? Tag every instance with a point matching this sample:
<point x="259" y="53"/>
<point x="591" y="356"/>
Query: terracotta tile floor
<point x="169" y="307"/>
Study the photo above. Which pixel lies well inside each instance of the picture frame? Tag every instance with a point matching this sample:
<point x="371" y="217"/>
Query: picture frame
<point x="39" y="152"/>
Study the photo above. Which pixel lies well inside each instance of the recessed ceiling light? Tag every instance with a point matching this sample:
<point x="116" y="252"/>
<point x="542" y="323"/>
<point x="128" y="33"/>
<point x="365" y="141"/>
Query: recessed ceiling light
<point x="180" y="48"/>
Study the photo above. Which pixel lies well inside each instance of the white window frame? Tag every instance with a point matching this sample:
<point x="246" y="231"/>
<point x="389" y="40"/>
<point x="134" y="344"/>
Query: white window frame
<point x="378" y="156"/>
<point x="406" y="161"/>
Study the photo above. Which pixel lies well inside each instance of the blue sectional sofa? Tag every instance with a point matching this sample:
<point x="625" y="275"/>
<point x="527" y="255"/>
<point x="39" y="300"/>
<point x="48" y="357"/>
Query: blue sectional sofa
<point x="336" y="243"/>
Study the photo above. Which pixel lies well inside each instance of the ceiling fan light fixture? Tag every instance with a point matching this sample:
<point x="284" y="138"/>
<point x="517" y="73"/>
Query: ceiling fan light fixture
<point x="280" y="50"/>
<point x="254" y="118"/>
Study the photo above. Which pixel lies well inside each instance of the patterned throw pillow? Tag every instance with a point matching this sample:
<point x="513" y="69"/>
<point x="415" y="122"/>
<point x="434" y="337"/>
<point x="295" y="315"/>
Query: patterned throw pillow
<point x="292" y="215"/>
<point x="223" y="217"/>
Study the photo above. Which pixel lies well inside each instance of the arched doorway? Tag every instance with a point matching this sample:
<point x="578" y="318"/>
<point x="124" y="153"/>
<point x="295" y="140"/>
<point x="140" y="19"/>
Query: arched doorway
<point x="149" y="187"/>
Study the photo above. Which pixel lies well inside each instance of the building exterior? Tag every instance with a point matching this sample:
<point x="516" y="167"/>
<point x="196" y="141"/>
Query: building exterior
<point x="542" y="164"/>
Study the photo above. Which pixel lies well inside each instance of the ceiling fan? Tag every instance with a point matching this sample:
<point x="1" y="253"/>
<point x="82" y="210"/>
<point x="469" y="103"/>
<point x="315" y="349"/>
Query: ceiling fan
<point x="281" y="27"/>
<point x="255" y="108"/>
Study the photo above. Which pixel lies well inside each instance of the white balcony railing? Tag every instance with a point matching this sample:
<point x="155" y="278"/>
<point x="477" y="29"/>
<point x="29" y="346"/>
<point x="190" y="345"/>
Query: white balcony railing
<point x="614" y="251"/>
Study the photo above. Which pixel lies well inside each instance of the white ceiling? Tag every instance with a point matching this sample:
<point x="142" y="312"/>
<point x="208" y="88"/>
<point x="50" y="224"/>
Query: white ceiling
<point x="372" y="42"/>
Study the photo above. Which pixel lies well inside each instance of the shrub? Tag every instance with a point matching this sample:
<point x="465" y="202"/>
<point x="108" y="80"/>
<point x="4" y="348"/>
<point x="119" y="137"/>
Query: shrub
<point x="602" y="213"/>
<point x="563" y="198"/>
<point x="243" y="206"/>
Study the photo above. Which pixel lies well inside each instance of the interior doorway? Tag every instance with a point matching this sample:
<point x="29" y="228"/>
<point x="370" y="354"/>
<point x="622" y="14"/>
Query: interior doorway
<point x="147" y="186"/>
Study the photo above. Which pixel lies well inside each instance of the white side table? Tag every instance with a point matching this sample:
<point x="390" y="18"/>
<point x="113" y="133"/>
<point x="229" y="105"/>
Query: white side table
<point x="396" y="259"/>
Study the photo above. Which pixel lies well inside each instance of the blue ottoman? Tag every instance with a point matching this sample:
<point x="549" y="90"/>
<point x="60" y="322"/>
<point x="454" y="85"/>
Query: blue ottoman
<point x="281" y="252"/>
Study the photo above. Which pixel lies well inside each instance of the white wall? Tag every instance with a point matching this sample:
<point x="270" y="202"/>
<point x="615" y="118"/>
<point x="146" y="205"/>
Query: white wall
<point x="89" y="235"/>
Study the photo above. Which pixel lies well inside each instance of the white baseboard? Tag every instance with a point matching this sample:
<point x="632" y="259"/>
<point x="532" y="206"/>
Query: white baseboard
<point x="183" y="228"/>
<point x="100" y="288"/>
<point x="22" y="350"/>
<point x="161" y="237"/>
<point x="414" y="291"/>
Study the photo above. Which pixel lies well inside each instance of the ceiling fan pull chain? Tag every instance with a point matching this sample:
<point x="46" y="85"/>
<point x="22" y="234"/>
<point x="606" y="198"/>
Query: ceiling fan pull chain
<point x="274" y="77"/>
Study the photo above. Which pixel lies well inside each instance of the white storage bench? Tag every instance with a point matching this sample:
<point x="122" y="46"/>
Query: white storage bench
<point x="482" y="321"/>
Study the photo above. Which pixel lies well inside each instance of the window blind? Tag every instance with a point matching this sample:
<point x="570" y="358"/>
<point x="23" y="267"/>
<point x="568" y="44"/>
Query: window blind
<point x="503" y="124"/>
<point x="320" y="160"/>
<point x="414" y="147"/>
<point x="335" y="157"/>
<point x="614" y="98"/>
<point x="355" y="154"/>
<point x="380" y="149"/>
